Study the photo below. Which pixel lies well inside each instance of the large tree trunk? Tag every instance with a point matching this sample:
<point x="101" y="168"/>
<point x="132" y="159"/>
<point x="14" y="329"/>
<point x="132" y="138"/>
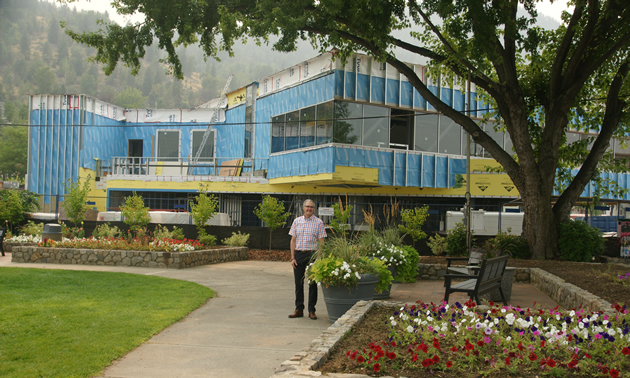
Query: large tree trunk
<point x="540" y="226"/>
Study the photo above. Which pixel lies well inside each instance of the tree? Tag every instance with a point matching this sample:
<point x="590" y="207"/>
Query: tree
<point x="203" y="208"/>
<point x="135" y="213"/>
<point x="271" y="213"/>
<point x="11" y="208"/>
<point x="44" y="79"/>
<point x="13" y="149"/>
<point x="130" y="98"/>
<point x="537" y="82"/>
<point x="75" y="199"/>
<point x="412" y="222"/>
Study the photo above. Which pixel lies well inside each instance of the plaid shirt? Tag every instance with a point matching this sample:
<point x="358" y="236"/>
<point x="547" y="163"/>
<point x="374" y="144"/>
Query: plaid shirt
<point x="307" y="231"/>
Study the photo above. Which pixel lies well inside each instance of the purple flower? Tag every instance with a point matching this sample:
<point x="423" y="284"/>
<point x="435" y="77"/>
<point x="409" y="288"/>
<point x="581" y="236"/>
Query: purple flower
<point x="488" y="331"/>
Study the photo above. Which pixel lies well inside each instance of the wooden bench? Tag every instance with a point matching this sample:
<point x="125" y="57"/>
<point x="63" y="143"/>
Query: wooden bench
<point x="476" y="255"/>
<point x="487" y="279"/>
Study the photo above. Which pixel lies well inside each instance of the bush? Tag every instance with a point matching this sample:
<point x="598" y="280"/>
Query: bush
<point x="208" y="240"/>
<point x="579" y="242"/>
<point x="32" y="228"/>
<point x="237" y="240"/>
<point x="391" y="235"/>
<point x="456" y="241"/>
<point x="105" y="230"/>
<point x="514" y="245"/>
<point x="136" y="213"/>
<point x="407" y="272"/>
<point x="177" y="233"/>
<point x="437" y="244"/>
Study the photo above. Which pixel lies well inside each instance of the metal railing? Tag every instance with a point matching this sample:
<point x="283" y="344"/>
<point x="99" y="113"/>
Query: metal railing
<point x="160" y="166"/>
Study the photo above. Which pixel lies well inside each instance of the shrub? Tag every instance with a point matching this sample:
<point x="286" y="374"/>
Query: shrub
<point x="75" y="198"/>
<point x="407" y="272"/>
<point x="203" y="209"/>
<point x="271" y="212"/>
<point x="208" y="240"/>
<point x="413" y="220"/>
<point x="32" y="228"/>
<point x="162" y="232"/>
<point x="105" y="230"/>
<point x="135" y="213"/>
<point x="514" y="245"/>
<point x="437" y="244"/>
<point x="237" y="240"/>
<point x="177" y="233"/>
<point x="579" y="242"/>
<point x="391" y="235"/>
<point x="340" y="217"/>
<point x="11" y="208"/>
<point x="456" y="241"/>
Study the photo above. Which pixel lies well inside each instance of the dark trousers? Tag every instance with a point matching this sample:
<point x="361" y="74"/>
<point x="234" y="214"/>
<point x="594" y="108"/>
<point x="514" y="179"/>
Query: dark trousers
<point x="303" y="260"/>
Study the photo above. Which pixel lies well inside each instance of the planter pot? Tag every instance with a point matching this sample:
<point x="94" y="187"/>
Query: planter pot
<point x="506" y="285"/>
<point x="385" y="293"/>
<point x="340" y="299"/>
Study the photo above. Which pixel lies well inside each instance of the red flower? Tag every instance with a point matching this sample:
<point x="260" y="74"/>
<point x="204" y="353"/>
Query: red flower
<point x="360" y="359"/>
<point x="391" y="356"/>
<point x="614" y="373"/>
<point x="436" y="359"/>
<point x="470" y="347"/>
<point x="587" y="356"/>
<point x="605" y="370"/>
<point x="414" y="358"/>
<point x="449" y="364"/>
<point x="532" y="356"/>
<point x="427" y="362"/>
<point x="454" y="349"/>
<point x="436" y="344"/>
<point x="491" y="303"/>
<point x="570" y="337"/>
<point x="551" y="363"/>
<point x="480" y="343"/>
<point x="508" y="361"/>
<point x="542" y="344"/>
<point x="377" y="367"/>
<point x="572" y="364"/>
<point x="520" y="346"/>
<point x="393" y="343"/>
<point x="423" y="347"/>
<point x="626" y="351"/>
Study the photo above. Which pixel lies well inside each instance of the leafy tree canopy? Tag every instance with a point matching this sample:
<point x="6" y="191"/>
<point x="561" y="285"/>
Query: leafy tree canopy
<point x="537" y="82"/>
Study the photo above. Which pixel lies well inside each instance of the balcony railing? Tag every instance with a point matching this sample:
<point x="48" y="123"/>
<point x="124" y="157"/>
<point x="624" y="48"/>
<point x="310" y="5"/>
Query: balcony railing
<point x="152" y="166"/>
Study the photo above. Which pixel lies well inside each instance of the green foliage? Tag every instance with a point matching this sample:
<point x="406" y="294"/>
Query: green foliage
<point x="75" y="198"/>
<point x="177" y="233"/>
<point x="514" y="245"/>
<point x="391" y="236"/>
<point x="341" y="215"/>
<point x="11" y="208"/>
<point x="13" y="149"/>
<point x="135" y="213"/>
<point x="162" y="232"/>
<point x="271" y="212"/>
<point x="335" y="271"/>
<point x="32" y="228"/>
<point x="208" y="240"/>
<point x="237" y="240"/>
<point x="105" y="230"/>
<point x="203" y="208"/>
<point x="437" y="244"/>
<point x="412" y="222"/>
<point x="580" y="242"/>
<point x="408" y="271"/>
<point x="46" y="314"/>
<point x="130" y="98"/>
<point x="456" y="240"/>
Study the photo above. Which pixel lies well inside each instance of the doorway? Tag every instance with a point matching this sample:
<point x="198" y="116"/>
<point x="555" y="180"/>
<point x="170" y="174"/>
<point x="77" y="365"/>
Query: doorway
<point x="135" y="155"/>
<point x="401" y="129"/>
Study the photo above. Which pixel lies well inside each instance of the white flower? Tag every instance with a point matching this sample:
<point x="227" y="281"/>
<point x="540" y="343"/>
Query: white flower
<point x="410" y="329"/>
<point x="394" y="323"/>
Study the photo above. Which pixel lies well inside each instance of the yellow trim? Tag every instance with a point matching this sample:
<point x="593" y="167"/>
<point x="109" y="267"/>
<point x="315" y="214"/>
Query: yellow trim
<point x="158" y="168"/>
<point x="342" y="175"/>
<point x="98" y="196"/>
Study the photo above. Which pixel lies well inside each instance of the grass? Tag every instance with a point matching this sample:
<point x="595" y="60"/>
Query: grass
<point x="60" y="323"/>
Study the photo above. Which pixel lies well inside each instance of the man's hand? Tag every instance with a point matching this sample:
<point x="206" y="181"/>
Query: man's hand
<point x="294" y="263"/>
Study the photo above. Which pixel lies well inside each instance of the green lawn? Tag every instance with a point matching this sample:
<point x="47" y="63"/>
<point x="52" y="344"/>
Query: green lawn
<point x="61" y="323"/>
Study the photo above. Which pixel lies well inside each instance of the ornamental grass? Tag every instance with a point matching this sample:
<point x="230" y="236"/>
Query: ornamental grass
<point x="502" y="341"/>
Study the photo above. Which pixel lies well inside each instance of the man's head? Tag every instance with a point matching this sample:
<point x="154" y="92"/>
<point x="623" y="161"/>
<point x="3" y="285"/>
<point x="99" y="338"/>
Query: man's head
<point x="308" y="207"/>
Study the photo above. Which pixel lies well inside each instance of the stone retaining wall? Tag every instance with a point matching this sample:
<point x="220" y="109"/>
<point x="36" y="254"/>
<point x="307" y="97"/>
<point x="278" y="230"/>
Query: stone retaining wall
<point x="167" y="260"/>
<point x="437" y="272"/>
<point x="8" y="246"/>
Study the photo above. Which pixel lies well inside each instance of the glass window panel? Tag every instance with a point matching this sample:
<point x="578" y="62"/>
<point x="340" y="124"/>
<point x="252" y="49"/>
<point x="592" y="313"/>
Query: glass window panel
<point x="450" y="135"/>
<point x="497" y="136"/>
<point x="348" y="123"/>
<point x="401" y="129"/>
<point x="277" y="133"/>
<point x="292" y="128"/>
<point x="572" y="137"/>
<point x="208" y="148"/>
<point x="324" y="123"/>
<point x="307" y="127"/>
<point x="375" y="126"/>
<point x="168" y="145"/>
<point x="427" y="132"/>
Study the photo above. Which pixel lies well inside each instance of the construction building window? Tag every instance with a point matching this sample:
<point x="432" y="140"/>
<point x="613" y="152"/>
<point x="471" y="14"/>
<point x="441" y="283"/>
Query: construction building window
<point x="168" y="143"/>
<point x="208" y="149"/>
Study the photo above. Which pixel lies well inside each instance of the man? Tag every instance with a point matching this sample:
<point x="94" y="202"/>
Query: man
<point x="307" y="234"/>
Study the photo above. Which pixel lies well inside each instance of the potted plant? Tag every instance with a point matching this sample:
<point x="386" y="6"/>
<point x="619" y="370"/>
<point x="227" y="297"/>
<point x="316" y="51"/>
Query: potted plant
<point x="347" y="276"/>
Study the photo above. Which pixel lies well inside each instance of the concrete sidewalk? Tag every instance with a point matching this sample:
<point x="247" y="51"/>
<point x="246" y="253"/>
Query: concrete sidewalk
<point x="244" y="331"/>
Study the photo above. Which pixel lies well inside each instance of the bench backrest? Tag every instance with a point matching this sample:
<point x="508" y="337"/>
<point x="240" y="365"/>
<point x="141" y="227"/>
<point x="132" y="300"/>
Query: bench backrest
<point x="491" y="271"/>
<point x="476" y="255"/>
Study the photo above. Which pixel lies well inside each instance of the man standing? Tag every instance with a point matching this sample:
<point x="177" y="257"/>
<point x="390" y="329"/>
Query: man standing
<point x="307" y="234"/>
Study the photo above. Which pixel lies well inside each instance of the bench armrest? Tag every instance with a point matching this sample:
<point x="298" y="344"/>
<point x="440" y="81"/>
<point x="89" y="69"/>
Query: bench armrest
<point x="450" y="276"/>
<point x="451" y="259"/>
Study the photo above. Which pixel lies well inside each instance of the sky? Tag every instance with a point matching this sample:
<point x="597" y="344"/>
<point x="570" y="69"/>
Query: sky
<point x="545" y="7"/>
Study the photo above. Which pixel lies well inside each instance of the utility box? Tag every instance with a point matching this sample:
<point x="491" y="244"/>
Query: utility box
<point x="52" y="231"/>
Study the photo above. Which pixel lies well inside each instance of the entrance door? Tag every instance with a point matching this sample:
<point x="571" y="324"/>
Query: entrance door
<point x="401" y="129"/>
<point x="135" y="155"/>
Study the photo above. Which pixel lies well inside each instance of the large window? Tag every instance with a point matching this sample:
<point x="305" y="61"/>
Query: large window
<point x="324" y="123"/>
<point x="427" y="132"/>
<point x="307" y="127"/>
<point x="168" y="145"/>
<point x="277" y="133"/>
<point x="348" y="123"/>
<point x="401" y="129"/>
<point x="207" y="152"/>
<point x="450" y="136"/>
<point x="375" y="126"/>
<point x="292" y="130"/>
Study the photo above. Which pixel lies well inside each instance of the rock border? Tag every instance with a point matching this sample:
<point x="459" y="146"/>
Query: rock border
<point x="319" y="350"/>
<point x="166" y="260"/>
